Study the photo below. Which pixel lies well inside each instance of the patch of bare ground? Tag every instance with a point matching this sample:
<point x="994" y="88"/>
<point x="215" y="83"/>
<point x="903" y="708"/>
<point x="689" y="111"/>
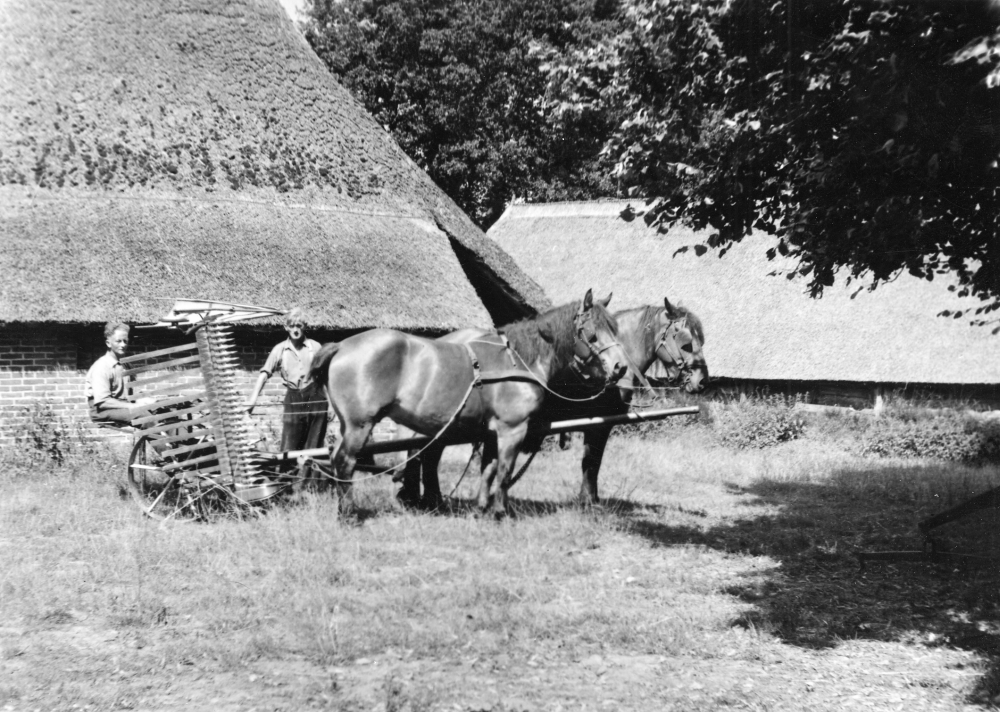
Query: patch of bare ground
<point x="708" y="580"/>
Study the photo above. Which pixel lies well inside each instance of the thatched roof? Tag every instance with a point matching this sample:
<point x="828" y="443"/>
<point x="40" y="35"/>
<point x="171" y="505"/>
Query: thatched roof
<point x="199" y="148"/>
<point x="757" y="326"/>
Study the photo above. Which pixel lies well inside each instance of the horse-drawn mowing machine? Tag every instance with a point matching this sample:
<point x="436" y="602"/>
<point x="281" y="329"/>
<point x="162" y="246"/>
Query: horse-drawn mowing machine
<point x="196" y="450"/>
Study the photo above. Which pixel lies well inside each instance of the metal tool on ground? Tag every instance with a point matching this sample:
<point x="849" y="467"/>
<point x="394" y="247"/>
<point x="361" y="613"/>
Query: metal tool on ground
<point x="932" y="551"/>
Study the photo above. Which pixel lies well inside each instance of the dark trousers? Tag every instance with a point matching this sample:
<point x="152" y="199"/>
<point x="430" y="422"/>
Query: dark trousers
<point x="303" y="424"/>
<point x="116" y="416"/>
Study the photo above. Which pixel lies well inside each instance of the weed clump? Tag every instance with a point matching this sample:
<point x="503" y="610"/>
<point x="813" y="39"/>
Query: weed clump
<point x="40" y="435"/>
<point x="43" y="441"/>
<point x="943" y="436"/>
<point x="758" y="422"/>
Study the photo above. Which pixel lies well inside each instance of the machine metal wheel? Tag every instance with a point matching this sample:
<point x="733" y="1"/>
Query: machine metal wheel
<point x="158" y="493"/>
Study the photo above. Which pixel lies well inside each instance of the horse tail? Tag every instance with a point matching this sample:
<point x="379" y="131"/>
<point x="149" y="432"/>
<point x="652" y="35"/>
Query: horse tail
<point x="319" y="370"/>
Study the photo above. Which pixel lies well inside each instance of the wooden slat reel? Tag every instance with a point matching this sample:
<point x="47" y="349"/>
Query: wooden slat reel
<point x="194" y="450"/>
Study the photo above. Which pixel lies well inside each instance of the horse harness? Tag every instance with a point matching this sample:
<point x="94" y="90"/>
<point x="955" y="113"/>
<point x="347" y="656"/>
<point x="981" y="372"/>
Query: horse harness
<point x="516" y="373"/>
<point x="513" y="373"/>
<point x="668" y="343"/>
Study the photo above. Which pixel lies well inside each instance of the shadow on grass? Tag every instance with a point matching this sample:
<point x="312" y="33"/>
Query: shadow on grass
<point x="519" y="508"/>
<point x="528" y="508"/>
<point x="818" y="595"/>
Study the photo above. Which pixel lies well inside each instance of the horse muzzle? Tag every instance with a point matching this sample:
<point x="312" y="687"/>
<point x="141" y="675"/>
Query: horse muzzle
<point x="696" y="379"/>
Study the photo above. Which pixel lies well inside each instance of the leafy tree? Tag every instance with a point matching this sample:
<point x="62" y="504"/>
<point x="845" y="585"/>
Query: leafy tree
<point x="458" y="85"/>
<point x="864" y="135"/>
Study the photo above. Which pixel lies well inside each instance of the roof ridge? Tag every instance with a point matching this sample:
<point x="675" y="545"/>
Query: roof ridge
<point x="572" y="208"/>
<point x="232" y="199"/>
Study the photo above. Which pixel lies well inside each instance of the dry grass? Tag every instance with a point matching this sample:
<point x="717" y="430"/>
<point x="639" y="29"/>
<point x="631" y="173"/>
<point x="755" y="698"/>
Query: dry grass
<point x="704" y="570"/>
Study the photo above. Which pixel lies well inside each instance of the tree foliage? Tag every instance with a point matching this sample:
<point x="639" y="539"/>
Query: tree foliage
<point x="865" y="135"/>
<point x="458" y="84"/>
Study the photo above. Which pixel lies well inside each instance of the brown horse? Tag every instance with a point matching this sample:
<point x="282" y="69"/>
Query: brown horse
<point x="431" y="386"/>
<point x="671" y="334"/>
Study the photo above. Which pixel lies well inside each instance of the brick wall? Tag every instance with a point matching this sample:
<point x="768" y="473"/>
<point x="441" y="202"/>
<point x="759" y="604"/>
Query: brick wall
<point x="35" y="366"/>
<point x="47" y="364"/>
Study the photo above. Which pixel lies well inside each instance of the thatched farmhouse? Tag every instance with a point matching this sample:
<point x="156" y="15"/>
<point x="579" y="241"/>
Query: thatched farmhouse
<point x="848" y="347"/>
<point x="199" y="149"/>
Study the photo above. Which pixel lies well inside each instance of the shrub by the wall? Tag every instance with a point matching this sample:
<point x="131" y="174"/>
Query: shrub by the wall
<point x="758" y="422"/>
<point x="40" y="434"/>
<point x="946" y="436"/>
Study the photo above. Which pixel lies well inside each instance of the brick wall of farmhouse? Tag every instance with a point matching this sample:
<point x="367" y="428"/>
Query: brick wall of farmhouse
<point x="46" y="365"/>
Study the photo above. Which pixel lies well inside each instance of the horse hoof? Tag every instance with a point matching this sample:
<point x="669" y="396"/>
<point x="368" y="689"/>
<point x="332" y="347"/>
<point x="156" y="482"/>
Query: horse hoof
<point x="431" y="505"/>
<point x="408" y="500"/>
<point x="499" y="512"/>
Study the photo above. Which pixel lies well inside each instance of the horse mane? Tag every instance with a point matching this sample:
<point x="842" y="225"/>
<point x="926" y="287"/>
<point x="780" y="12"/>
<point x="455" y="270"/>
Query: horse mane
<point x="527" y="341"/>
<point x="694" y="322"/>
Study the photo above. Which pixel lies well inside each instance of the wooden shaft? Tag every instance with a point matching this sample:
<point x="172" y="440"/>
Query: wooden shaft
<point x="559" y="426"/>
<point x="565" y="426"/>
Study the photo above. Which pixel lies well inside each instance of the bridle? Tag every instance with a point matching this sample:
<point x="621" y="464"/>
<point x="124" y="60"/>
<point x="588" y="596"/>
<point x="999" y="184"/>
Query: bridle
<point x="584" y="350"/>
<point x="667" y="342"/>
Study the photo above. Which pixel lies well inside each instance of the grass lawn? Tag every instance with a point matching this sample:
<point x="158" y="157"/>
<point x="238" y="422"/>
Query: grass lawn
<point x="710" y="578"/>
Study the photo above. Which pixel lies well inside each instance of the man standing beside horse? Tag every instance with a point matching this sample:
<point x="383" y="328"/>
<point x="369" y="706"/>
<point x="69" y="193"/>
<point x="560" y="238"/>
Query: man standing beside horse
<point x="303" y="422"/>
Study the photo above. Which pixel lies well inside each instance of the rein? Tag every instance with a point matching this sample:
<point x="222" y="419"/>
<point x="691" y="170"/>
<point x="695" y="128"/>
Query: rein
<point x="525" y="374"/>
<point x="476" y="383"/>
<point x="478" y="379"/>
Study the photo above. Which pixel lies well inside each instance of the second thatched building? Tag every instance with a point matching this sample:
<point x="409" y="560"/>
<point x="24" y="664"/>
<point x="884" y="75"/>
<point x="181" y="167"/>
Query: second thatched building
<point x="853" y="346"/>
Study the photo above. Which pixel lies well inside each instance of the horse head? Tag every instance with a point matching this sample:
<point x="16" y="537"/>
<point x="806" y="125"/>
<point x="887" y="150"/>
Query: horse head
<point x="579" y="339"/>
<point x="679" y="343"/>
<point x="597" y="352"/>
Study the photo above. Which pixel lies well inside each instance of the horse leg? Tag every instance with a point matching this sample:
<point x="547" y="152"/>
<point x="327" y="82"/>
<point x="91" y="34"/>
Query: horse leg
<point x="594" y="442"/>
<point x="432" y="498"/>
<point x="508" y="446"/>
<point x="407" y="471"/>
<point x="409" y="493"/>
<point x="346" y="457"/>
<point x="488" y="469"/>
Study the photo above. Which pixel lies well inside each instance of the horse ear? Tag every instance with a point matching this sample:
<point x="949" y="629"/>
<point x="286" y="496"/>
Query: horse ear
<point x="546" y="332"/>
<point x="604" y="302"/>
<point x="588" y="300"/>
<point x="671" y="312"/>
